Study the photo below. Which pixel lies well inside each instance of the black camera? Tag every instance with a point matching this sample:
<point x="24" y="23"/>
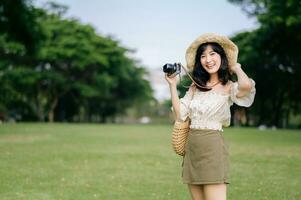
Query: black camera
<point x="172" y="69"/>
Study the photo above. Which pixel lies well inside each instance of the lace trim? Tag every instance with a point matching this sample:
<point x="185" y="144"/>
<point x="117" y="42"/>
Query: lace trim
<point x="213" y="92"/>
<point x="204" y="124"/>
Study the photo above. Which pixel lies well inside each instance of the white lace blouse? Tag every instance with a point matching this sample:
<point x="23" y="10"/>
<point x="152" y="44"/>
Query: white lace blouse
<point x="211" y="110"/>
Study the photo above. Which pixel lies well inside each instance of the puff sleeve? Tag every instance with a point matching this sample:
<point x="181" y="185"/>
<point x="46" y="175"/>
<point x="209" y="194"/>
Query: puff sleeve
<point x="245" y="101"/>
<point x="184" y="105"/>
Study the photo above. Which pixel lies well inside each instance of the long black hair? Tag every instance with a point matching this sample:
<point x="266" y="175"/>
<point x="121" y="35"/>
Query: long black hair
<point x="201" y="76"/>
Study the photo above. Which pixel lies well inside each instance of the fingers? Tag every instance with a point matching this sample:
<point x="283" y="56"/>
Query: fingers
<point x="171" y="81"/>
<point x="167" y="78"/>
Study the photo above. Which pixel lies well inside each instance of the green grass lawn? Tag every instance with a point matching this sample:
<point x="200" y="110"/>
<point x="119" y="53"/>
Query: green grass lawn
<point x="128" y="162"/>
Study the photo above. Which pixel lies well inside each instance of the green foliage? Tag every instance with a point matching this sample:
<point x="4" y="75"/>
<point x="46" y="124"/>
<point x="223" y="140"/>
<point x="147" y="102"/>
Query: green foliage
<point x="73" y="65"/>
<point x="270" y="55"/>
<point x="19" y="24"/>
<point x="183" y="85"/>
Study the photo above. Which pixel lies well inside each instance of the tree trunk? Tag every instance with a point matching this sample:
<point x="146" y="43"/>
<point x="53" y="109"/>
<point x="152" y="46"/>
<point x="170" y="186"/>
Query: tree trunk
<point x="51" y="110"/>
<point x="286" y="119"/>
<point x="39" y="109"/>
<point x="103" y="118"/>
<point x="278" y="110"/>
<point x="247" y="117"/>
<point x="40" y="113"/>
<point x="262" y="112"/>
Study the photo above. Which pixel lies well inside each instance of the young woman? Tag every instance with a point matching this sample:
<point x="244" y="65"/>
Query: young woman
<point x="212" y="59"/>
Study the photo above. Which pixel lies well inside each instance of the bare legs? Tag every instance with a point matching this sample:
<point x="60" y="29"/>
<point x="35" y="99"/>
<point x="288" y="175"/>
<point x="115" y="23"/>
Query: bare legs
<point x="196" y="192"/>
<point x="208" y="192"/>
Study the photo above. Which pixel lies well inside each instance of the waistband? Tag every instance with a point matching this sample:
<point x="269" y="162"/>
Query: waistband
<point x="204" y="131"/>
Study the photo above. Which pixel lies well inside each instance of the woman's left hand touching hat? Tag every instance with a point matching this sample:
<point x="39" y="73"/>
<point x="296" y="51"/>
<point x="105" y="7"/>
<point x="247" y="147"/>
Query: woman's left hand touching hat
<point x="233" y="68"/>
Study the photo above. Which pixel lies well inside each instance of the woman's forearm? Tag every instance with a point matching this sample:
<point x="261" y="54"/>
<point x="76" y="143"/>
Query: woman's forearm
<point x="244" y="83"/>
<point x="175" y="100"/>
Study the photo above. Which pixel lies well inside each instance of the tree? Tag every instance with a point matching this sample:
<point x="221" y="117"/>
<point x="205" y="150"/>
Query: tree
<point x="271" y="54"/>
<point x="73" y="67"/>
<point x="18" y="23"/>
<point x="20" y="37"/>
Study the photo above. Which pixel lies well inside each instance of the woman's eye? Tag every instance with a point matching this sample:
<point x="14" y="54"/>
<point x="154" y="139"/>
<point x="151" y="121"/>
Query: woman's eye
<point x="212" y="53"/>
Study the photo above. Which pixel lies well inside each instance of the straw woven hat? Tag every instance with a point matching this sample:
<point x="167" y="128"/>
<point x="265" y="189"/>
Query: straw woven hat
<point x="229" y="47"/>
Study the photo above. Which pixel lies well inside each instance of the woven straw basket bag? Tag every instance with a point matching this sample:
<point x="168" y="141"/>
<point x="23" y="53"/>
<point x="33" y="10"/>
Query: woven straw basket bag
<point x="179" y="136"/>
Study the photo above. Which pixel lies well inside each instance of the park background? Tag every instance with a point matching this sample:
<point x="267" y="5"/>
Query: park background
<point x="85" y="110"/>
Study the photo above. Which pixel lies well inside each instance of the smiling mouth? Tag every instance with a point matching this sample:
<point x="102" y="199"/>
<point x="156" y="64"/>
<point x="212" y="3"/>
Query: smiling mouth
<point x="210" y="66"/>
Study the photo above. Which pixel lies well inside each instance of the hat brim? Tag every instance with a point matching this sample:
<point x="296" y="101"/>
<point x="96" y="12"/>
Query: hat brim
<point x="229" y="47"/>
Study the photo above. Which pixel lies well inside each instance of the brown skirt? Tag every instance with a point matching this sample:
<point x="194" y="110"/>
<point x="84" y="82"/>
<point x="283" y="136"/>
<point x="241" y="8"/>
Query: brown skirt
<point x="206" y="158"/>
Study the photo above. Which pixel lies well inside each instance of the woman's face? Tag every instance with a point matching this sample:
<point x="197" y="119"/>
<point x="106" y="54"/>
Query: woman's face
<point x="210" y="60"/>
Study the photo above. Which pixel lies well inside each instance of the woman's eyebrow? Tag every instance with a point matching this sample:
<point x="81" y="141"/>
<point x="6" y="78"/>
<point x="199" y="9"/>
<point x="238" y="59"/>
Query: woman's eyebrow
<point x="208" y="52"/>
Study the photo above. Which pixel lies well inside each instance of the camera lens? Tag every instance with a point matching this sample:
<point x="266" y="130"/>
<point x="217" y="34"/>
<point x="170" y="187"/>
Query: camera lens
<point x="168" y="68"/>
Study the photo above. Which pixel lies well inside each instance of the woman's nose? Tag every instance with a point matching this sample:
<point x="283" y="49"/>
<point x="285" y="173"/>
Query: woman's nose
<point x="208" y="59"/>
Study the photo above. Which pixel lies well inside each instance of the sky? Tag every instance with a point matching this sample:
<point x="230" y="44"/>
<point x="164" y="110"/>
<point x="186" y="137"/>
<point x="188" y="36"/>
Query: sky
<point x="158" y="30"/>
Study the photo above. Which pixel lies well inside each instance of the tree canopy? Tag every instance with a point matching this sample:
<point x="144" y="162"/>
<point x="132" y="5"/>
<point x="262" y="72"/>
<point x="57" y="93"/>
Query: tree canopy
<point x="270" y="55"/>
<point x="75" y="74"/>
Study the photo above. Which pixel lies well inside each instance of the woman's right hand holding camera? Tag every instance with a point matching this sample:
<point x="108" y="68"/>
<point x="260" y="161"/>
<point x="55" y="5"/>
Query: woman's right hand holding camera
<point x="172" y="81"/>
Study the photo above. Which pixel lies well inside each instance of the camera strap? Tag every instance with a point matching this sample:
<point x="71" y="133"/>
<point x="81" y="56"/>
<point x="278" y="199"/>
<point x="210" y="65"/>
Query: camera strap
<point x="205" y="87"/>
